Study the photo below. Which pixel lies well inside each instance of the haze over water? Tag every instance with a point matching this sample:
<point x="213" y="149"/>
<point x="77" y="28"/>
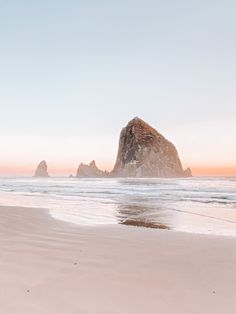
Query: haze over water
<point x="198" y="205"/>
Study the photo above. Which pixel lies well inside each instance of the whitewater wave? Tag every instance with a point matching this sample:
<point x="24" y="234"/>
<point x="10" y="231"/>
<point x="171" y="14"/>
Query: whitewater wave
<point x="202" y="205"/>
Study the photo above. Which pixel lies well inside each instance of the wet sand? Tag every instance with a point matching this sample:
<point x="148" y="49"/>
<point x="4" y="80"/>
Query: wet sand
<point x="48" y="266"/>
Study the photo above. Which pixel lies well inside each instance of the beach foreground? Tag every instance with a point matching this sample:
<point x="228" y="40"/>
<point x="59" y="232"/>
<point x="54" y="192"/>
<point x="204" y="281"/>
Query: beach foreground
<point x="49" y="266"/>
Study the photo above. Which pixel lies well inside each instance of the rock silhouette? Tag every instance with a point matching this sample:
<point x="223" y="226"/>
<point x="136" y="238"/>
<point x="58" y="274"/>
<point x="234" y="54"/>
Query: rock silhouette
<point x="90" y="171"/>
<point x="42" y="170"/>
<point x="143" y="152"/>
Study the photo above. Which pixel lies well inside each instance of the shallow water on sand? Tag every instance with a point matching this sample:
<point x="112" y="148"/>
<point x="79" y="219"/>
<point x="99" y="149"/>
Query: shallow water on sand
<point x="199" y="205"/>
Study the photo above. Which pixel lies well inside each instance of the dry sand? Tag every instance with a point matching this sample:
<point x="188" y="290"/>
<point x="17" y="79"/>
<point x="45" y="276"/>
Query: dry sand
<point x="47" y="267"/>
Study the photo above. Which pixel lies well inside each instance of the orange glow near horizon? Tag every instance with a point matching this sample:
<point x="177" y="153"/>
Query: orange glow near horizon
<point x="213" y="171"/>
<point x="66" y="171"/>
<point x="54" y="170"/>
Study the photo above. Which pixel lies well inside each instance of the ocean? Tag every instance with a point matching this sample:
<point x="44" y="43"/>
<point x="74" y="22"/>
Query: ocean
<point x="196" y="205"/>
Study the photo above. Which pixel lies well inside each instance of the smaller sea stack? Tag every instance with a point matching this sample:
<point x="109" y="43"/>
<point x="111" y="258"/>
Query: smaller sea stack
<point x="42" y="170"/>
<point x="90" y="171"/>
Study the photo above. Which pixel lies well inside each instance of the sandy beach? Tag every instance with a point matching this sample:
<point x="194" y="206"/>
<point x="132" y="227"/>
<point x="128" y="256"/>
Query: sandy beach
<point x="48" y="266"/>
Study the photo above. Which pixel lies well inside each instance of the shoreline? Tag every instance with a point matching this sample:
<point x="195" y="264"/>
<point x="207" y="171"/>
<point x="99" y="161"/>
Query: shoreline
<point x="49" y="266"/>
<point x="195" y="207"/>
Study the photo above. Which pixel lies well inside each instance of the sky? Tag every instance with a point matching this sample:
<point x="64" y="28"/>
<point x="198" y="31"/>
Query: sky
<point x="73" y="73"/>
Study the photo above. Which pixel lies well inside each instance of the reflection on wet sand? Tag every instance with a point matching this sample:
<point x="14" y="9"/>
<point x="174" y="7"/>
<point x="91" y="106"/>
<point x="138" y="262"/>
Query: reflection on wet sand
<point x="140" y="216"/>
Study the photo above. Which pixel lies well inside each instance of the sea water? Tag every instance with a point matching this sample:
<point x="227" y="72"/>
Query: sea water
<point x="198" y="205"/>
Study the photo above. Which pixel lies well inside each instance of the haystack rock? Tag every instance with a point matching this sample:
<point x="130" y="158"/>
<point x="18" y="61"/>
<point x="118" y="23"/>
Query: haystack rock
<point x="90" y="171"/>
<point x="143" y="152"/>
<point x="42" y="170"/>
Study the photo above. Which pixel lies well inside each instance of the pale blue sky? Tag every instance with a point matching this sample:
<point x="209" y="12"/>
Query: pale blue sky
<point x="76" y="70"/>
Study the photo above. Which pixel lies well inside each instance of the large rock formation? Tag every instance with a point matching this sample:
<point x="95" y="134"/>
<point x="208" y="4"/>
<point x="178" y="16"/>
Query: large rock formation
<point x="42" y="170"/>
<point x="90" y="171"/>
<point x="143" y="152"/>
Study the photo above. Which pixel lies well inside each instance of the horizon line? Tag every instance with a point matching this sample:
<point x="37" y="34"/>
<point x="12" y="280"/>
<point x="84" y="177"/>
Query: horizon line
<point x="66" y="171"/>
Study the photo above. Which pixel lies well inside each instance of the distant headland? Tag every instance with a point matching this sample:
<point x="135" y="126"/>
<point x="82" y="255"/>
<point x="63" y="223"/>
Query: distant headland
<point x="142" y="152"/>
